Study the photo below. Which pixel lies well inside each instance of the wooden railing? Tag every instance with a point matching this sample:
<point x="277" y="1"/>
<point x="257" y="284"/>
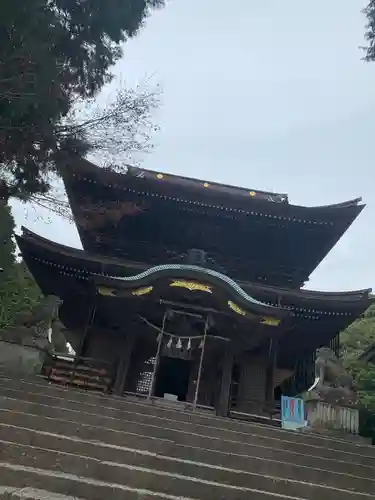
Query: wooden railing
<point x="85" y="373"/>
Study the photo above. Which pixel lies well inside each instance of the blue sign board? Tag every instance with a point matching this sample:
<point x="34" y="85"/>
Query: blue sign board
<point x="292" y="413"/>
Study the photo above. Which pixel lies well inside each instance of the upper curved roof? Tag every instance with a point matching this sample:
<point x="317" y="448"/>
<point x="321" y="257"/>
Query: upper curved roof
<point x="158" y="217"/>
<point x="80" y="168"/>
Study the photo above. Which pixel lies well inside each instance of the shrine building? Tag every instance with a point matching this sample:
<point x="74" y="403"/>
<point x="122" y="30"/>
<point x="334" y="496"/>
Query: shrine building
<point x="191" y="290"/>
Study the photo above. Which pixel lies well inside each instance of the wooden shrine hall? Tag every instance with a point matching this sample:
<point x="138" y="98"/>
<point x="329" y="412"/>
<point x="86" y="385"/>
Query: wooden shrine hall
<point x="191" y="290"/>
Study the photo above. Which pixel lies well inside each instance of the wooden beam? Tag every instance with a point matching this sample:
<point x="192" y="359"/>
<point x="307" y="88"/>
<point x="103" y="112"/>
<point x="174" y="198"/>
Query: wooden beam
<point x="201" y="309"/>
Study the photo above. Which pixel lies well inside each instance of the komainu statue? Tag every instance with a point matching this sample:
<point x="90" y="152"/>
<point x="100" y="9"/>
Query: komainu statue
<point x="332" y="383"/>
<point x="39" y="328"/>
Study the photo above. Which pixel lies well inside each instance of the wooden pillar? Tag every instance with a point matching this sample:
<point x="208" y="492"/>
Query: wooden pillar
<point x="90" y="318"/>
<point x="157" y="356"/>
<point x="200" y="367"/>
<point x="270" y="371"/>
<point x="84" y="339"/>
<point x="82" y="346"/>
<point x="124" y="362"/>
<point x="226" y="381"/>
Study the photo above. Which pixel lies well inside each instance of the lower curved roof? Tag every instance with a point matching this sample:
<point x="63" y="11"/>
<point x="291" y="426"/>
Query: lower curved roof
<point x="194" y="278"/>
<point x="316" y="317"/>
<point x="117" y="268"/>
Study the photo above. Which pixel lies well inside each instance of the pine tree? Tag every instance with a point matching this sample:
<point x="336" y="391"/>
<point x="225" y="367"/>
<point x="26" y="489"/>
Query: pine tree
<point x="18" y="290"/>
<point x="54" y="54"/>
<point x="369" y="11"/>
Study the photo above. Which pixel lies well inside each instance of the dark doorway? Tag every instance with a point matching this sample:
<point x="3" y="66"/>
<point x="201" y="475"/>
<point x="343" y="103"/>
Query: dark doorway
<point x="173" y="377"/>
<point x="277" y="393"/>
<point x="235" y="386"/>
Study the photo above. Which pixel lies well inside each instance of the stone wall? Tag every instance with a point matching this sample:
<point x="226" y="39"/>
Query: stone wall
<point x="19" y="359"/>
<point x="322" y="416"/>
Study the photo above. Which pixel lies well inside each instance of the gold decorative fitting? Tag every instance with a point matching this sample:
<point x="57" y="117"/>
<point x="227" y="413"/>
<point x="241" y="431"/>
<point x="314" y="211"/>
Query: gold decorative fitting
<point x="270" y="321"/>
<point x="206" y="185"/>
<point x="160" y="176"/>
<point x="252" y="193"/>
<point x="192" y="286"/>
<point x="106" y="292"/>
<point x="236" y="308"/>
<point x="142" y="291"/>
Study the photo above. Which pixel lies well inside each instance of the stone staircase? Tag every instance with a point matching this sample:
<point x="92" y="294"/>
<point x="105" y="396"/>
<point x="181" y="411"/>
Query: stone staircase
<point x="63" y="444"/>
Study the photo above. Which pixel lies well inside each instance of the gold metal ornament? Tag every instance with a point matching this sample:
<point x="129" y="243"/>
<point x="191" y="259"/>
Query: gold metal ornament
<point x="106" y="292"/>
<point x="142" y="291"/>
<point x="237" y="309"/>
<point x="192" y="286"/>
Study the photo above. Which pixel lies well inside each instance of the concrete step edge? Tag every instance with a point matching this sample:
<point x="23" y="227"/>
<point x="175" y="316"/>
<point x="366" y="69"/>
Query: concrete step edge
<point x="43" y="384"/>
<point x="295" y="455"/>
<point x="53" y="437"/>
<point x="51" y="387"/>
<point x="143" y="434"/>
<point x="185" y="424"/>
<point x="32" y="494"/>
<point x="71" y="477"/>
<point x="184" y="477"/>
<point x="99" y="483"/>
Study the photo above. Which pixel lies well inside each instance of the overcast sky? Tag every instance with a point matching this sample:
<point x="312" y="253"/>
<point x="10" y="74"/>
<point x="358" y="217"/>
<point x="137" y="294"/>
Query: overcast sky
<point x="266" y="94"/>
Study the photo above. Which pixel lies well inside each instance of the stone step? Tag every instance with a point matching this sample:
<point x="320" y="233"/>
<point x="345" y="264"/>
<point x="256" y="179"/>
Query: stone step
<point x="80" y="487"/>
<point x="174" y="459"/>
<point x="30" y="483"/>
<point x="294" y="437"/>
<point x="190" y="479"/>
<point x="9" y="493"/>
<point x="214" y="451"/>
<point x="170" y="429"/>
<point x="146" y="411"/>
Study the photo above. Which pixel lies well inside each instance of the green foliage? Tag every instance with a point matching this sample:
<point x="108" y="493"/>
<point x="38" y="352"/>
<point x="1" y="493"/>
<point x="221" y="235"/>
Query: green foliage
<point x="369" y="11"/>
<point x="53" y="53"/>
<point x="364" y="376"/>
<point x="18" y="291"/>
<point x="354" y="340"/>
<point x="7" y="245"/>
<point x="358" y="336"/>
